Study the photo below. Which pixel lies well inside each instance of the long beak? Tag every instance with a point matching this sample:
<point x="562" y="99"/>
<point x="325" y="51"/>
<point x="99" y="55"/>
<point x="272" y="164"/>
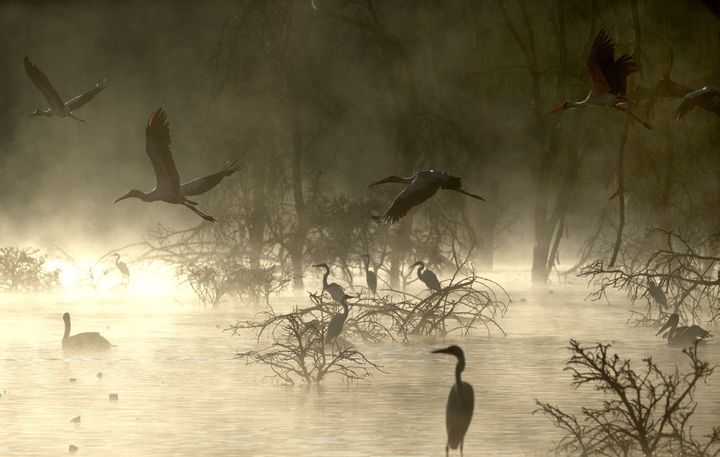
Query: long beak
<point x="121" y="198"/>
<point x="415" y="265"/>
<point x="395" y="179"/>
<point x="441" y="351"/>
<point x="557" y="109"/>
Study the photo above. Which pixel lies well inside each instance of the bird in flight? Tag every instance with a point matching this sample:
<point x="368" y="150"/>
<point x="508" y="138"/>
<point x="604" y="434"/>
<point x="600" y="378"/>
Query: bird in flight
<point x="707" y="98"/>
<point x="168" y="188"/>
<point x="609" y="79"/>
<point x="56" y="106"/>
<point x="420" y="187"/>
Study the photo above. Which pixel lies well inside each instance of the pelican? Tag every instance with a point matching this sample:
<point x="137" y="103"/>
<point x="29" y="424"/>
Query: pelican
<point x="421" y="186"/>
<point x="56" y="106"/>
<point x="337" y="322"/>
<point x="122" y="266"/>
<point x="460" y="404"/>
<point x="370" y="275"/>
<point x="609" y="79"/>
<point x="82" y="342"/>
<point x="682" y="336"/>
<point x="427" y="276"/>
<point x="657" y="293"/>
<point x="168" y="188"/>
<point x="708" y="98"/>
<point x="334" y="289"/>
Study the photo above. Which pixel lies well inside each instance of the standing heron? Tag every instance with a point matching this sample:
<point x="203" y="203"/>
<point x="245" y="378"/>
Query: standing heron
<point x="427" y="276"/>
<point x="420" y="187"/>
<point x="609" y="79"/>
<point x="334" y="289"/>
<point x="55" y="104"/>
<point x="707" y="98"/>
<point x="682" y="336"/>
<point x="82" y="342"/>
<point x="370" y="276"/>
<point x="337" y="322"/>
<point x="168" y="188"/>
<point x="657" y="293"/>
<point x="460" y="404"/>
<point x="122" y="266"/>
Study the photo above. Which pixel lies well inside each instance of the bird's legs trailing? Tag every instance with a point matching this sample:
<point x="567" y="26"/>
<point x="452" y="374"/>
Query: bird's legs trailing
<point x="76" y="118"/>
<point x="200" y="213"/>
<point x="632" y="115"/>
<point x="464" y="192"/>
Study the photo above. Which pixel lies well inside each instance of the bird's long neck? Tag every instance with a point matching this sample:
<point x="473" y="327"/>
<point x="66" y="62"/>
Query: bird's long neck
<point x="579" y="104"/>
<point x="421" y="267"/>
<point x="366" y="261"/>
<point x="325" y="276"/>
<point x="346" y="309"/>
<point x="67" y="329"/>
<point x="458" y="370"/>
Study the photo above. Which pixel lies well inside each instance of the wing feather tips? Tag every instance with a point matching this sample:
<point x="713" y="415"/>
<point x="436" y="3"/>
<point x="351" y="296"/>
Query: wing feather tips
<point x="158" y="126"/>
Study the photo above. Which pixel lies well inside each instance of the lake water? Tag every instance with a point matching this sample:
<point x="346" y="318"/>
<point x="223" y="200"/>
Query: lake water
<point x="181" y="392"/>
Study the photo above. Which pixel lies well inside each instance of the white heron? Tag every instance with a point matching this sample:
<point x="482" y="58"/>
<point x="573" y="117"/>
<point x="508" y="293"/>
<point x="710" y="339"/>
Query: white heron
<point x="427" y="276"/>
<point x="337" y="322"/>
<point x="334" y="289"/>
<point x="121" y="266"/>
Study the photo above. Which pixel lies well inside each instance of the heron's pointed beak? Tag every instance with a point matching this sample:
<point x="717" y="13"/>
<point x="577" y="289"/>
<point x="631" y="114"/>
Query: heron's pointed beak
<point x="33" y="114"/>
<point x="557" y="109"/>
<point x="395" y="179"/>
<point x="441" y="351"/>
<point x="122" y="198"/>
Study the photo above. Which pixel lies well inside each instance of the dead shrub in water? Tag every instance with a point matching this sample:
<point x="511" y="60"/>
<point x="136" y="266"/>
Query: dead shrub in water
<point x="299" y="352"/>
<point x="644" y="412"/>
<point x="24" y="270"/>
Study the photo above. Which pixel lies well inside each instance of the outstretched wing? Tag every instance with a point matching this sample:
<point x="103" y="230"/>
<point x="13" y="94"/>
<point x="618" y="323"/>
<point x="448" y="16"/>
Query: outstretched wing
<point x="201" y="185"/>
<point x="157" y="145"/>
<point x="708" y="97"/>
<point x="43" y="84"/>
<point x="76" y="102"/>
<point x="602" y="56"/>
<point x="414" y="194"/>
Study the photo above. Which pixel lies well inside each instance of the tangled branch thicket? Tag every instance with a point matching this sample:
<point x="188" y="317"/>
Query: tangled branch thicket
<point x="686" y="273"/>
<point x="645" y="412"/>
<point x="24" y="270"/>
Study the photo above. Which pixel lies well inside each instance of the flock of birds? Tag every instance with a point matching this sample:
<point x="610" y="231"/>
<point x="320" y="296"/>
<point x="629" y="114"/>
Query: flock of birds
<point x="609" y="86"/>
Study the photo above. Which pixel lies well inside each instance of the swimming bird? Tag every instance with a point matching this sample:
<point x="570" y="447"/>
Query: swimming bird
<point x="657" y="293"/>
<point x="122" y="266"/>
<point x="56" y="106"/>
<point x="427" y="276"/>
<point x="420" y="187"/>
<point x="460" y="404"/>
<point x="337" y="322"/>
<point x="370" y="276"/>
<point x="334" y="289"/>
<point x="609" y="79"/>
<point x="82" y="342"/>
<point x="168" y="188"/>
<point x="682" y="336"/>
<point x="707" y="98"/>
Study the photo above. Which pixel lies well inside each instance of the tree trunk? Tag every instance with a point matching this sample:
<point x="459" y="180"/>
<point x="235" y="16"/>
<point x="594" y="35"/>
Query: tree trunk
<point x="256" y="225"/>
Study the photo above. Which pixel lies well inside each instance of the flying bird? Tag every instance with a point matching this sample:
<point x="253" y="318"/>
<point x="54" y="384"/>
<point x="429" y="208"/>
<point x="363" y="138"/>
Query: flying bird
<point x="122" y="266"/>
<point x="82" y="342"/>
<point x="460" y="404"/>
<point x="707" y="98"/>
<point x="682" y="335"/>
<point x="168" y="188"/>
<point x="420" y="187"/>
<point x="337" y="322"/>
<point x="370" y="276"/>
<point x="609" y="79"/>
<point x="427" y="277"/>
<point x="334" y="289"/>
<point x="657" y="293"/>
<point x="56" y="106"/>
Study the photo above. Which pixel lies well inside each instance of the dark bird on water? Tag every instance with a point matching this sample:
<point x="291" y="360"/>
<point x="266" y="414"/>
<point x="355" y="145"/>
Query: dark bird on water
<point x="337" y="322"/>
<point x="609" y="79"/>
<point x="657" y="293"/>
<point x="370" y="276"/>
<point x="683" y="336"/>
<point x="334" y="289"/>
<point x="420" y="187"/>
<point x="82" y="342"/>
<point x="168" y="188"/>
<point x="55" y="104"/>
<point x="707" y="98"/>
<point x="122" y="266"/>
<point x="427" y="276"/>
<point x="460" y="404"/>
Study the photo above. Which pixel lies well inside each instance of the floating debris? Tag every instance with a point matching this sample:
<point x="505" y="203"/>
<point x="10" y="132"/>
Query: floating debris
<point x="99" y="376"/>
<point x="72" y="449"/>
<point x="72" y="379"/>
<point x="113" y="397"/>
<point x="75" y="420"/>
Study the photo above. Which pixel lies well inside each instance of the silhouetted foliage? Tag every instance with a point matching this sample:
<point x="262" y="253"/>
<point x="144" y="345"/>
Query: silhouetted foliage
<point x="24" y="270"/>
<point x="645" y="412"/>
